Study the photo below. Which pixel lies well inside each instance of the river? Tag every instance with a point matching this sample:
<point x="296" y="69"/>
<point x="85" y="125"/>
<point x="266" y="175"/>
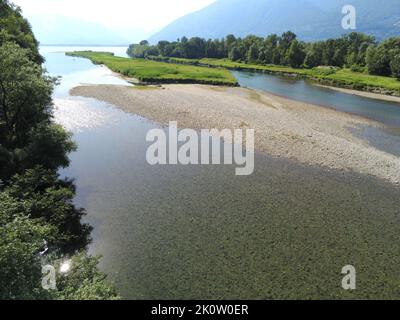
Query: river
<point x="384" y="112"/>
<point x="187" y="232"/>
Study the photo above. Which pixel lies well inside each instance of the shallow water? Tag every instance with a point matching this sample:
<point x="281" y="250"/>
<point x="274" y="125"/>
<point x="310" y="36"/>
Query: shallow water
<point x="385" y="112"/>
<point x="385" y="139"/>
<point x="171" y="232"/>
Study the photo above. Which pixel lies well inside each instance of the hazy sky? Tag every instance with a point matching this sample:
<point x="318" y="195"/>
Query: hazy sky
<point x="146" y="15"/>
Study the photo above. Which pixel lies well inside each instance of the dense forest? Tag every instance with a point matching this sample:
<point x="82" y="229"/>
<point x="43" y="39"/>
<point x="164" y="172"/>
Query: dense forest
<point x="39" y="224"/>
<point x="357" y="51"/>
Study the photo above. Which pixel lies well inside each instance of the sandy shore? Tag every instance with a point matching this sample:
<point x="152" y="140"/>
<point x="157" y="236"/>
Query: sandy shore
<point x="284" y="128"/>
<point x="366" y="94"/>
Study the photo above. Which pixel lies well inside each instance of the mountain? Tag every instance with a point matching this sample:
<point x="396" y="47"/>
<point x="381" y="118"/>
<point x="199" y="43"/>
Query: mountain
<point x="51" y="29"/>
<point x="310" y="19"/>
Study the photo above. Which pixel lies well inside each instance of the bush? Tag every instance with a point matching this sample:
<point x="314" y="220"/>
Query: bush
<point x="357" y="68"/>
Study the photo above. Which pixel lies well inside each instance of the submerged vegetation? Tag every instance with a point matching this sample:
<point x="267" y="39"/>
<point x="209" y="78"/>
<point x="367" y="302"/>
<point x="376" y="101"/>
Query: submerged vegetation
<point x="147" y="71"/>
<point x="354" y="61"/>
<point x="39" y="224"/>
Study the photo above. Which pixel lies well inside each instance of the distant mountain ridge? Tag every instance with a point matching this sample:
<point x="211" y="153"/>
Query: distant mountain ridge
<point x="60" y="30"/>
<point x="310" y="19"/>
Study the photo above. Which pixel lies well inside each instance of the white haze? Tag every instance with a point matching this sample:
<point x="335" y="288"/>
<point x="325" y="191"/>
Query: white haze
<point x="130" y="20"/>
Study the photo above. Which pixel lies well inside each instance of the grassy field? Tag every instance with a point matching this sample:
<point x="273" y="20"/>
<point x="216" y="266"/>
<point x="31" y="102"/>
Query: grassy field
<point x="334" y="77"/>
<point x="147" y="71"/>
<point x="361" y="80"/>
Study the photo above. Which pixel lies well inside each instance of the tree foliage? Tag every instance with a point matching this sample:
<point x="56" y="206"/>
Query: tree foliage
<point x="15" y="28"/>
<point x="50" y="199"/>
<point x="395" y="65"/>
<point x="295" y="55"/>
<point x="20" y="242"/>
<point x="84" y="281"/>
<point x="354" y="50"/>
<point x="39" y="223"/>
<point x="378" y="61"/>
<point x="27" y="135"/>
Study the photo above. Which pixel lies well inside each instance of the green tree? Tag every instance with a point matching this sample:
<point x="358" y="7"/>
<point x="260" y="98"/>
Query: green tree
<point x="270" y="50"/>
<point x="194" y="48"/>
<point x="295" y="56"/>
<point x="314" y="56"/>
<point x="357" y="45"/>
<point x="286" y="40"/>
<point x="27" y="137"/>
<point x="37" y="214"/>
<point x="84" y="281"/>
<point x="21" y="240"/>
<point x="339" y="57"/>
<point x="211" y="50"/>
<point x="14" y="28"/>
<point x="138" y="50"/>
<point x="235" y="54"/>
<point x="50" y="199"/>
<point x="21" y="265"/>
<point x="378" y="61"/>
<point x="252" y="55"/>
<point x="25" y="95"/>
<point x="163" y="48"/>
<point x="230" y="42"/>
<point x="395" y="66"/>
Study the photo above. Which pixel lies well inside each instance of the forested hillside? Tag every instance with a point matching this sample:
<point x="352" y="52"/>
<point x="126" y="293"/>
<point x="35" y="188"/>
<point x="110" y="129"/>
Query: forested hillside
<point x="311" y="20"/>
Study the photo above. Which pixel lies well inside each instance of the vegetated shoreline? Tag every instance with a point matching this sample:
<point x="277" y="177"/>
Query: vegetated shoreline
<point x="321" y="76"/>
<point x="283" y="127"/>
<point x="147" y="72"/>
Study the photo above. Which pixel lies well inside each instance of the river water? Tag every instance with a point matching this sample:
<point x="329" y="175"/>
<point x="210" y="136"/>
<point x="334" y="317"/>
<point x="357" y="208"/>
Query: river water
<point x="388" y="113"/>
<point x="200" y="232"/>
<point x="301" y="90"/>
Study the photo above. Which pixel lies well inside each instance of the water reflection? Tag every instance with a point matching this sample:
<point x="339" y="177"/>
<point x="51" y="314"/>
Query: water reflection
<point x="77" y="114"/>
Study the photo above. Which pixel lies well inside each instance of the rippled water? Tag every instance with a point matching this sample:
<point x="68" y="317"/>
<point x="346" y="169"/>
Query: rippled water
<point x="171" y="232"/>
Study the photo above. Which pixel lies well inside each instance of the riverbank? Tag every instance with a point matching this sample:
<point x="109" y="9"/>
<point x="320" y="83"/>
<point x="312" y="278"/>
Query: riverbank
<point x="284" y="128"/>
<point x="335" y="77"/>
<point x="371" y="95"/>
<point x="153" y="72"/>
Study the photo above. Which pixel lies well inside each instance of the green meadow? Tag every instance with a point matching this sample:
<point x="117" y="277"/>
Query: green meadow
<point x="148" y="71"/>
